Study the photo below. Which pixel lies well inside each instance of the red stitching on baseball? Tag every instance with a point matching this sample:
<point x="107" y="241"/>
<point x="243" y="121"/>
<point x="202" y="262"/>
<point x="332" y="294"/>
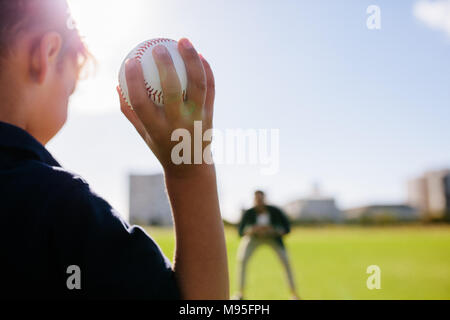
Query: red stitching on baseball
<point x="152" y="92"/>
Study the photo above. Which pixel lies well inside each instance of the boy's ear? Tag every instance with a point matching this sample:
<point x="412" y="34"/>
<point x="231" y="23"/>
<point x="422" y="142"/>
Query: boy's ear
<point x="45" y="55"/>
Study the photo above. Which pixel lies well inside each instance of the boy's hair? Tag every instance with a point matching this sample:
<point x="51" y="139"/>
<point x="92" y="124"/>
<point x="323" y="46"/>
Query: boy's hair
<point x="260" y="192"/>
<point x="40" y="16"/>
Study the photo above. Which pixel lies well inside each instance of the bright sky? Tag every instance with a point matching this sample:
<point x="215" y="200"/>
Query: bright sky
<point x="360" y="111"/>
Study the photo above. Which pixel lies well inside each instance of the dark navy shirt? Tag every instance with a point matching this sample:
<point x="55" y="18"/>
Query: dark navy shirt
<point x="51" y="220"/>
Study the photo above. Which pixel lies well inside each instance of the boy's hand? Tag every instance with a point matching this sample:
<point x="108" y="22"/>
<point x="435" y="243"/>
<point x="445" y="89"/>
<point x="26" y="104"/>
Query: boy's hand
<point x="156" y="124"/>
<point x="259" y="230"/>
<point x="263" y="231"/>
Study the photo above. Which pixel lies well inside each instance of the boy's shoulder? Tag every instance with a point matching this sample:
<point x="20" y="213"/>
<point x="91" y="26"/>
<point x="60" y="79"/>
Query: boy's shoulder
<point x="54" y="177"/>
<point x="274" y="210"/>
<point x="53" y="186"/>
<point x="249" y="212"/>
<point x="68" y="194"/>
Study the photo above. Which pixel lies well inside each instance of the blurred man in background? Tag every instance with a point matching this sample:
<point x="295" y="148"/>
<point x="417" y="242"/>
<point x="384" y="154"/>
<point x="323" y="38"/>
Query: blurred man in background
<point x="263" y="225"/>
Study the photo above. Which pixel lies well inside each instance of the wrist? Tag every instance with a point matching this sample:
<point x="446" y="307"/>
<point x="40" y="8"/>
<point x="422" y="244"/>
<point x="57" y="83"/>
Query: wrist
<point x="189" y="172"/>
<point x="192" y="186"/>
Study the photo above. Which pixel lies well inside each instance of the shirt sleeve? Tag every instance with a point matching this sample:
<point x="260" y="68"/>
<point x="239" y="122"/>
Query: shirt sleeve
<point x="285" y="224"/>
<point x="243" y="224"/>
<point x="117" y="261"/>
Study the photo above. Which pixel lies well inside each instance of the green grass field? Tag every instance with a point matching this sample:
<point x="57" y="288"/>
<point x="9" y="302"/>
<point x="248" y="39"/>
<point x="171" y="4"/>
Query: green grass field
<point x="331" y="262"/>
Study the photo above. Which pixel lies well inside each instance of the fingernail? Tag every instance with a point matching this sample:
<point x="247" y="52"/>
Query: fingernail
<point x="187" y="44"/>
<point x="160" y="51"/>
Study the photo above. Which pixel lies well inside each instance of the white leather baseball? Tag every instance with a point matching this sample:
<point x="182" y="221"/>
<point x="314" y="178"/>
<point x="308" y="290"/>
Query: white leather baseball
<point x="143" y="53"/>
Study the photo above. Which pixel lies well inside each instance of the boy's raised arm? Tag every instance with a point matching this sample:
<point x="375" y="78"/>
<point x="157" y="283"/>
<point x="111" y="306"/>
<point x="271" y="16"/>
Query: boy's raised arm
<point x="200" y="255"/>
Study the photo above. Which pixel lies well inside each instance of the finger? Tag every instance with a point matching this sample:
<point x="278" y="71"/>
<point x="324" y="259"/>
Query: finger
<point x="144" y="107"/>
<point x="130" y="114"/>
<point x="196" y="90"/>
<point x="170" y="83"/>
<point x="134" y="119"/>
<point x="210" y="92"/>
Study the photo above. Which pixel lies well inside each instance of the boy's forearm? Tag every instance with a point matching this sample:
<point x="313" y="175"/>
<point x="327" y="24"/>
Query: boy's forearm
<point x="200" y="255"/>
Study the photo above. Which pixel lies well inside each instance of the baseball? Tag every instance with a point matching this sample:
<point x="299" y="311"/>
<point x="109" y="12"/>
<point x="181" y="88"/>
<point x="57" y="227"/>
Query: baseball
<point x="143" y="53"/>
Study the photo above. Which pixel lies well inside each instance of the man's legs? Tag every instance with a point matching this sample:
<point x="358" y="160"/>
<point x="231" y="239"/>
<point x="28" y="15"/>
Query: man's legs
<point x="246" y="248"/>
<point x="282" y="254"/>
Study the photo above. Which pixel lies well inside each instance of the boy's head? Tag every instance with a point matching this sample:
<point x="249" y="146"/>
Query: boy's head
<point x="260" y="198"/>
<point x="41" y="54"/>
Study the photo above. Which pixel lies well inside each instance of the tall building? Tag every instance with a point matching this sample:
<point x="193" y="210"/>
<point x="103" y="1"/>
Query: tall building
<point x="430" y="194"/>
<point x="418" y="194"/>
<point x="447" y="193"/>
<point x="317" y="209"/>
<point x="149" y="204"/>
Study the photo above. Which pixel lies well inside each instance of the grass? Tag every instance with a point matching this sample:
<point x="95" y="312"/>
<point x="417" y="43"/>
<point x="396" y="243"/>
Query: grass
<point x="331" y="262"/>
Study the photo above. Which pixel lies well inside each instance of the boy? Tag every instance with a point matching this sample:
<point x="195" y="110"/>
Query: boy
<point x="263" y="225"/>
<point x="52" y="222"/>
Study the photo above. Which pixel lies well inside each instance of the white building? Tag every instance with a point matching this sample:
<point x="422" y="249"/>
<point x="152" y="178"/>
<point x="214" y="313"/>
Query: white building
<point x="313" y="209"/>
<point x="149" y="204"/>
<point x="383" y="213"/>
<point x="430" y="193"/>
